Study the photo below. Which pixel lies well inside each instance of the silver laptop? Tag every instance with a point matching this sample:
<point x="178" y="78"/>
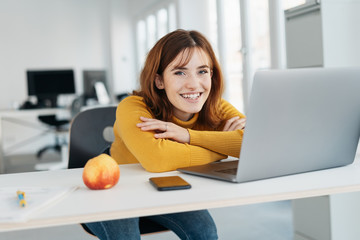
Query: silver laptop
<point x="299" y="120"/>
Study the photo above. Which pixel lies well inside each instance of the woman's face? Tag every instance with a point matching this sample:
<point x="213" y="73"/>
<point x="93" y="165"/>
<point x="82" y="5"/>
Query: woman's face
<point x="187" y="87"/>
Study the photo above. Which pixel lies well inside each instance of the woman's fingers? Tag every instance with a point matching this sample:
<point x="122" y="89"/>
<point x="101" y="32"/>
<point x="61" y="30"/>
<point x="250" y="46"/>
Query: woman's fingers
<point x="234" y="123"/>
<point x="149" y="124"/>
<point x="229" y="122"/>
<point x="239" y="124"/>
<point x="165" y="130"/>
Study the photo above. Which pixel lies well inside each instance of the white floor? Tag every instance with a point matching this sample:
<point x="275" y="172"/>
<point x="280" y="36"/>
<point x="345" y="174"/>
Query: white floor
<point x="268" y="221"/>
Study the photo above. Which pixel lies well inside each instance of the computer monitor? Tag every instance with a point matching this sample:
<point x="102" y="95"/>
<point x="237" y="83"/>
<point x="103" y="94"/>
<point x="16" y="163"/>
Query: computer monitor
<point x="95" y="86"/>
<point x="47" y="85"/>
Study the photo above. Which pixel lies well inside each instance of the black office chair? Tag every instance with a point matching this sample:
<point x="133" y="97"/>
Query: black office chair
<point x="59" y="127"/>
<point x="121" y="96"/>
<point x="91" y="133"/>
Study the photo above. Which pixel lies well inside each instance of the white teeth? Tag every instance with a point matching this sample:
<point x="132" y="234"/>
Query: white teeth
<point x="191" y="96"/>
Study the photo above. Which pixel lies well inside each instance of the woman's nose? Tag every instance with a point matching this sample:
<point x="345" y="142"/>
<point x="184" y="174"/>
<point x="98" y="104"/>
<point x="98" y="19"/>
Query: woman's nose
<point x="192" y="82"/>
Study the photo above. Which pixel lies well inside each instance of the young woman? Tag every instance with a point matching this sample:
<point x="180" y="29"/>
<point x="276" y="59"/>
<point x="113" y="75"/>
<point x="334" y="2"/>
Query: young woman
<point x="176" y="119"/>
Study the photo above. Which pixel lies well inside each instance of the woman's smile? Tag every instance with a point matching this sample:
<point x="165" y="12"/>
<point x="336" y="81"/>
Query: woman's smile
<point x="191" y="96"/>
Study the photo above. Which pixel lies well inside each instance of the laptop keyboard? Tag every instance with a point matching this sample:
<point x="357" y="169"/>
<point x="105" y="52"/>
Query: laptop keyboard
<point x="231" y="171"/>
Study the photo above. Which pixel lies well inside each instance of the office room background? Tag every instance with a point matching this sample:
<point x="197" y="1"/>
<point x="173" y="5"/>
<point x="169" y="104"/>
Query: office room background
<point x="115" y="35"/>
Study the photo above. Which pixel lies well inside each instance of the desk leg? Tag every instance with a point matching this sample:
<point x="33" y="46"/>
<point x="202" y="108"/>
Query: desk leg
<point x="311" y="218"/>
<point x="334" y="217"/>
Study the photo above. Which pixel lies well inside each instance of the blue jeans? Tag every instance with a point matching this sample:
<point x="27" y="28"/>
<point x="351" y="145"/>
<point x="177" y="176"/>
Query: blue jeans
<point x="195" y="225"/>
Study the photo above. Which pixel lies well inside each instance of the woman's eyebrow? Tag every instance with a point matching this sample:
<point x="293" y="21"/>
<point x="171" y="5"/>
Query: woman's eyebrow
<point x="178" y="68"/>
<point x="185" y="68"/>
<point x="203" y="66"/>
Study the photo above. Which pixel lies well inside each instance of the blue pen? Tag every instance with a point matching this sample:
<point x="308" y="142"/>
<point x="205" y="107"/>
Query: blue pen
<point x="21" y="198"/>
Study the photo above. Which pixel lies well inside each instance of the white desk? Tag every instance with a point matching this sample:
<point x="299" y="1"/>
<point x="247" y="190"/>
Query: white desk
<point x="134" y="196"/>
<point x="24" y="118"/>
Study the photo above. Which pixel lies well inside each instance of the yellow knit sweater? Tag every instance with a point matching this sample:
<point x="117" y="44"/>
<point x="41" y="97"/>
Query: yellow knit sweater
<point x="133" y="145"/>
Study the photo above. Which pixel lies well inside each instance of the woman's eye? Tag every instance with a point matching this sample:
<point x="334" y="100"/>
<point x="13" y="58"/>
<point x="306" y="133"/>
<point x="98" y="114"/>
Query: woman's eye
<point x="179" y="73"/>
<point x="203" y="71"/>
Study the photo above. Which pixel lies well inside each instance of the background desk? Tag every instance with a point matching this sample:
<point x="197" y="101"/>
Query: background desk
<point x="134" y="196"/>
<point x="25" y="118"/>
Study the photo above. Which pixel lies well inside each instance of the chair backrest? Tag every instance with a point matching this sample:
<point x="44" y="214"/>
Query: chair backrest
<point x="91" y="132"/>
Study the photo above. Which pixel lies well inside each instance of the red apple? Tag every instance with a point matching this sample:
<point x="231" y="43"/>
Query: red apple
<point x="101" y="172"/>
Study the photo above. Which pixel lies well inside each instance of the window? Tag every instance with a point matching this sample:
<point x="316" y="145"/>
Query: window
<point x="242" y="47"/>
<point x="234" y="68"/>
<point x="151" y="27"/>
<point x="259" y="25"/>
<point x="140" y="42"/>
<point x="162" y="26"/>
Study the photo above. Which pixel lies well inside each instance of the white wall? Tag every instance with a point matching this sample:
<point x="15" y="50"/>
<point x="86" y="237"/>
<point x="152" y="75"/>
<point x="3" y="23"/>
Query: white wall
<point x="50" y="34"/>
<point x="194" y="15"/>
<point x="122" y="47"/>
<point x="340" y="32"/>
<point x="137" y="7"/>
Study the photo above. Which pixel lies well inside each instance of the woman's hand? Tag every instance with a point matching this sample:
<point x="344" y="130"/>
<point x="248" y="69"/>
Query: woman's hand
<point x="235" y="123"/>
<point x="165" y="130"/>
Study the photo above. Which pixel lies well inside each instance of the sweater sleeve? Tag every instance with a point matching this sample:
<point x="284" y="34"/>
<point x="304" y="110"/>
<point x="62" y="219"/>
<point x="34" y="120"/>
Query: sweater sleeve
<point x="156" y="155"/>
<point x="227" y="143"/>
<point x="223" y="142"/>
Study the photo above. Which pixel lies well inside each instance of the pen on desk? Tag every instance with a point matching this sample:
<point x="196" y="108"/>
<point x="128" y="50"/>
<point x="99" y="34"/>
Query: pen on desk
<point x="21" y="198"/>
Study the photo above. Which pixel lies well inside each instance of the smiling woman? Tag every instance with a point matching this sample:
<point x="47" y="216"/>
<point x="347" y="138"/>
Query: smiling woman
<point x="181" y="120"/>
<point x="178" y="112"/>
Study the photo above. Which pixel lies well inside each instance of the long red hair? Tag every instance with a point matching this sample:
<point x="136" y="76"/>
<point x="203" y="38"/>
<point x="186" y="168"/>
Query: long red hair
<point x="160" y="56"/>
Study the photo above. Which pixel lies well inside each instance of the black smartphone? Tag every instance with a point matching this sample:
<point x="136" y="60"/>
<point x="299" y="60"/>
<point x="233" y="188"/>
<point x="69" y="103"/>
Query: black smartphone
<point x="169" y="183"/>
